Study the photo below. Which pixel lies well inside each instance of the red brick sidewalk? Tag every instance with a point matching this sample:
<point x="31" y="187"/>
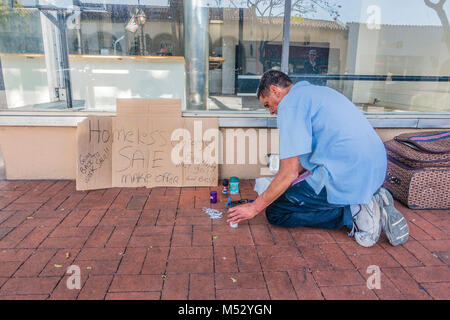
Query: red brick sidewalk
<point x="158" y="244"/>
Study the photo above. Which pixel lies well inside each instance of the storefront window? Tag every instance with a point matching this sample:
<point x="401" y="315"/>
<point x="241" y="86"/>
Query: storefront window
<point x="91" y="52"/>
<point x="81" y="55"/>
<point x="246" y="39"/>
<point x="393" y="55"/>
<point x="385" y="56"/>
<point x="22" y="59"/>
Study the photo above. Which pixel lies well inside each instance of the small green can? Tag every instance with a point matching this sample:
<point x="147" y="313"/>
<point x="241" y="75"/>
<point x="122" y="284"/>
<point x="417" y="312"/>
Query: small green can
<point x="234" y="185"/>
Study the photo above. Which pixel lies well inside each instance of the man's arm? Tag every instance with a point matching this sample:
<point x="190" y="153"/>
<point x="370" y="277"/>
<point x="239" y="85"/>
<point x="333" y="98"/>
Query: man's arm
<point x="289" y="171"/>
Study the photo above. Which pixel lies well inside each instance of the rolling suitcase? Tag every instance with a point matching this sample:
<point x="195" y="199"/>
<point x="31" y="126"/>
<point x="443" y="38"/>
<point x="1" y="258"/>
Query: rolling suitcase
<point x="418" y="173"/>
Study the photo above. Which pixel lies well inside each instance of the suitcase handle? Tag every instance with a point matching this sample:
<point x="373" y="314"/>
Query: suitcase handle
<point x="393" y="179"/>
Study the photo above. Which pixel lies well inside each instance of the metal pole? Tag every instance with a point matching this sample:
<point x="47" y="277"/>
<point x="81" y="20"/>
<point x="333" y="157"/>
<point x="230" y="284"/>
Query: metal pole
<point x="79" y="41"/>
<point x="65" y="57"/>
<point x="240" y="59"/>
<point x="141" y="43"/>
<point x="286" y="36"/>
<point x="196" y="53"/>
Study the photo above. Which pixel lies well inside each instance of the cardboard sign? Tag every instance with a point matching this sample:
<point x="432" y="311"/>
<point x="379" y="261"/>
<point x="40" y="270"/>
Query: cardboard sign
<point x="142" y="152"/>
<point x="94" y="158"/>
<point x="202" y="169"/>
<point x="147" y="144"/>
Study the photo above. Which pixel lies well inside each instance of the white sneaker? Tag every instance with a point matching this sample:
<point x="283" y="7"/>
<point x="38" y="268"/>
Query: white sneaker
<point x="367" y="223"/>
<point x="394" y="224"/>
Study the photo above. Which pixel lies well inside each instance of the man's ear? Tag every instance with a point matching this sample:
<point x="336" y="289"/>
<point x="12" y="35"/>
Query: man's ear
<point x="274" y="89"/>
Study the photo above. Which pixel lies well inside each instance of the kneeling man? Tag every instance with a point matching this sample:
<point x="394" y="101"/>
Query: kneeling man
<point x="323" y="134"/>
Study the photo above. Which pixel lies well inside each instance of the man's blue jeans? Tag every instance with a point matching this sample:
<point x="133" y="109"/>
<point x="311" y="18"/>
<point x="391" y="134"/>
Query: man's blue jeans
<point x="300" y="206"/>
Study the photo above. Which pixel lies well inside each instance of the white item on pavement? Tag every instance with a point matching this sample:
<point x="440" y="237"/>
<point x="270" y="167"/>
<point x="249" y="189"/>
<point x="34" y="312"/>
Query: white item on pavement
<point x="261" y="184"/>
<point x="274" y="163"/>
<point x="213" y="213"/>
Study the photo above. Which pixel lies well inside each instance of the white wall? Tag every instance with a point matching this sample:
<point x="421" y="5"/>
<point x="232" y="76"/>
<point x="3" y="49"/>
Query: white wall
<point x="25" y="80"/>
<point x="100" y="81"/>
<point x="97" y="80"/>
<point x="401" y="50"/>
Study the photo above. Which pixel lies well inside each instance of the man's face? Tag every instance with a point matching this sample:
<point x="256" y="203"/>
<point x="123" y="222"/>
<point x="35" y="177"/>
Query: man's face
<point x="273" y="98"/>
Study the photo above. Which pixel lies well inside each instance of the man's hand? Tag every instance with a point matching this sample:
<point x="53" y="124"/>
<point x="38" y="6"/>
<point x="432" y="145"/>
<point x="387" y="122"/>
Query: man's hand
<point x="242" y="212"/>
<point x="289" y="171"/>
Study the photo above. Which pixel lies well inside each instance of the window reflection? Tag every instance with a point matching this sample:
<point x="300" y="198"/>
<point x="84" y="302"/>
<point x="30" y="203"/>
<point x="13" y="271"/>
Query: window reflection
<point x="104" y="39"/>
<point x="385" y="56"/>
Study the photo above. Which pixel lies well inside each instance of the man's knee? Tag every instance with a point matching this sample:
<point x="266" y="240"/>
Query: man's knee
<point x="275" y="218"/>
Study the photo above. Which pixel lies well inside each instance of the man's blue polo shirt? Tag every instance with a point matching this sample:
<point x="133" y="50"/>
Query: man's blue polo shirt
<point x="335" y="142"/>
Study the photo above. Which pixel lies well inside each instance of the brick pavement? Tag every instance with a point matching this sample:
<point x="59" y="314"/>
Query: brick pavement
<point x="138" y="243"/>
